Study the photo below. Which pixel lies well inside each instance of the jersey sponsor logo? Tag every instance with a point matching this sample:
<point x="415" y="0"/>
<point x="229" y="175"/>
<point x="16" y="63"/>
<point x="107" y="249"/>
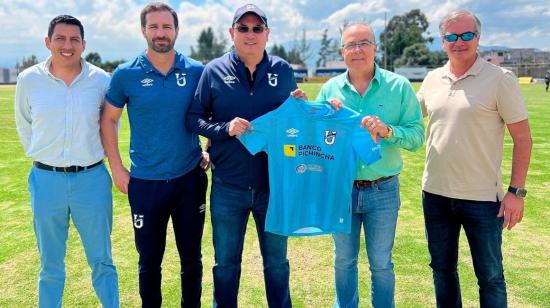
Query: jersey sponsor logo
<point x="290" y="150"/>
<point x="292" y="132"/>
<point x="301" y="168"/>
<point x="313" y="150"/>
<point x="229" y="79"/>
<point x="138" y="221"/>
<point x="330" y="137"/>
<point x="147" y="82"/>
<point x="272" y="79"/>
<point x="180" y="79"/>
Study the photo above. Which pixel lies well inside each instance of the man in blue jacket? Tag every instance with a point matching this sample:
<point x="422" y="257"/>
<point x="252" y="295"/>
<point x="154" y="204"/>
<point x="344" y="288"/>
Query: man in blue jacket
<point x="234" y="89"/>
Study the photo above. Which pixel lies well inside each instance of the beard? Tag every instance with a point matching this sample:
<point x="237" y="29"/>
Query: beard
<point x="161" y="48"/>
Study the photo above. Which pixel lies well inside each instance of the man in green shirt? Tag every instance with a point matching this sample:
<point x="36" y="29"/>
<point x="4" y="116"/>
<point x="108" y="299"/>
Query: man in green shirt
<point x="391" y="111"/>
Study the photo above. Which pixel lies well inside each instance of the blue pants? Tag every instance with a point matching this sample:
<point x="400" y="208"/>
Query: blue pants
<point x="230" y="208"/>
<point x="86" y="197"/>
<point x="375" y="208"/>
<point x="153" y="203"/>
<point x="443" y="218"/>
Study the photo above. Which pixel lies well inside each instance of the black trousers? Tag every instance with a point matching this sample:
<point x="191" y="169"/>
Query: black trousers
<point x="153" y="202"/>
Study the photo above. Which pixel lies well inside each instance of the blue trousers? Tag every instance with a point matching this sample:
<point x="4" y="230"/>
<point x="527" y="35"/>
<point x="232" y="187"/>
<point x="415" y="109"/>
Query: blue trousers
<point x="230" y="208"/>
<point x="86" y="198"/>
<point x="153" y="203"/>
<point x="375" y="208"/>
<point x="444" y="217"/>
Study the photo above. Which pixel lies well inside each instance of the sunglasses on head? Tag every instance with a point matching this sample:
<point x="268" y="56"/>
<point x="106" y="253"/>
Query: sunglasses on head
<point x="466" y="36"/>
<point x="246" y="29"/>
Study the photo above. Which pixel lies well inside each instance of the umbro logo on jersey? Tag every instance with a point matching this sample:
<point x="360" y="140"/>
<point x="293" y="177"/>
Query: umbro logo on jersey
<point x="147" y="82"/>
<point x="229" y="79"/>
<point x="292" y="132"/>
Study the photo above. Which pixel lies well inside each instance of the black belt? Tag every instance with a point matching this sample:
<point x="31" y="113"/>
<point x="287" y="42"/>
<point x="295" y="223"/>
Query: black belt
<point x="40" y="165"/>
<point x="367" y="184"/>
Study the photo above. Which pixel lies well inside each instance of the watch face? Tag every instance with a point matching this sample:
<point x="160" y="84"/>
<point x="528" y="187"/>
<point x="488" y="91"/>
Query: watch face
<point x="521" y="192"/>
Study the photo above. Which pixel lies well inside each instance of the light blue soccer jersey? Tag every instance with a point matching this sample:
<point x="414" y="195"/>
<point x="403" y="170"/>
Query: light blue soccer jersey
<point x="312" y="154"/>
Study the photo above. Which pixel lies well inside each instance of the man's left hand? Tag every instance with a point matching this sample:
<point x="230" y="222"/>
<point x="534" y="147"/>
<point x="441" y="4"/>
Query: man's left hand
<point x="374" y="125"/>
<point x="299" y="93"/>
<point x="511" y="208"/>
<point x="205" y="162"/>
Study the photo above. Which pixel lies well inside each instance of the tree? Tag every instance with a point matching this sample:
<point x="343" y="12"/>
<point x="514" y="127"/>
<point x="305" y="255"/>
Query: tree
<point x="208" y="46"/>
<point x="300" y="51"/>
<point x="401" y="32"/>
<point x="279" y="50"/>
<point x="93" y="58"/>
<point x="414" y="55"/>
<point x="25" y="63"/>
<point x="328" y="51"/>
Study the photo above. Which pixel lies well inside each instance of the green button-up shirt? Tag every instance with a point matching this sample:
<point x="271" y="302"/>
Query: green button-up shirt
<point x="391" y="98"/>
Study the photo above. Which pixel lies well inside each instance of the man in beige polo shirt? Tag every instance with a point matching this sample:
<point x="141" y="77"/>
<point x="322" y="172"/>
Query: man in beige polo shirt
<point x="469" y="102"/>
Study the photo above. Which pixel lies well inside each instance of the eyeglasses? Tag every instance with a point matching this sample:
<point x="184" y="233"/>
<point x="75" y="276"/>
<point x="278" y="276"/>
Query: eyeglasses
<point x="246" y="29"/>
<point x="466" y="36"/>
<point x="361" y="45"/>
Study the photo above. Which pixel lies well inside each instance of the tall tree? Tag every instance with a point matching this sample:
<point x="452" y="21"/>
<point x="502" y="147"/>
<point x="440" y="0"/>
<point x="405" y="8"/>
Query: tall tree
<point x="328" y="51"/>
<point x="278" y="50"/>
<point x="300" y="51"/>
<point x="26" y="62"/>
<point x="403" y="31"/>
<point x="208" y="46"/>
<point x="94" y="58"/>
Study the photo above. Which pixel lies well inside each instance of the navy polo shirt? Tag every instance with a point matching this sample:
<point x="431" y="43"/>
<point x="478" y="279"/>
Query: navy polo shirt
<point x="161" y="147"/>
<point x="224" y="93"/>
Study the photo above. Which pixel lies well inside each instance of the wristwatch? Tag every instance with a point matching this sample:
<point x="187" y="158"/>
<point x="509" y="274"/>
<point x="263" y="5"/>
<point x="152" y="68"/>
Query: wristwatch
<point x="518" y="191"/>
<point x="390" y="133"/>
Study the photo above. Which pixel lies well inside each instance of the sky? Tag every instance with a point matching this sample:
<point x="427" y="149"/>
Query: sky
<point x="112" y="27"/>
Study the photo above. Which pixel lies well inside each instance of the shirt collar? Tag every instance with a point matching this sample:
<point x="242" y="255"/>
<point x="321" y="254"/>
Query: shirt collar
<point x="235" y="57"/>
<point x="46" y="68"/>
<point x="474" y="70"/>
<point x="344" y="79"/>
<point x="179" y="62"/>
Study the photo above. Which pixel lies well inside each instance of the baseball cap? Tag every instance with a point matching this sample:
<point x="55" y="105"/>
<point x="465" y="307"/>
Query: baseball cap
<point x="249" y="8"/>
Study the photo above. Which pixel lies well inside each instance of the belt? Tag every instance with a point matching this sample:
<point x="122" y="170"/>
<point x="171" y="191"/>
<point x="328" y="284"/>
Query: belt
<point x="40" y="165"/>
<point x="367" y="184"/>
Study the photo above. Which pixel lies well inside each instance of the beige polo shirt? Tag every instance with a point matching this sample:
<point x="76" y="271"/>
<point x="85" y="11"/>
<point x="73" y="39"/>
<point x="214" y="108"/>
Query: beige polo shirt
<point x="465" y="133"/>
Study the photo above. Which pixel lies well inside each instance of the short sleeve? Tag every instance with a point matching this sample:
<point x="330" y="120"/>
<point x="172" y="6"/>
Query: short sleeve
<point x="256" y="140"/>
<point x="116" y="95"/>
<point x="510" y="103"/>
<point x="366" y="146"/>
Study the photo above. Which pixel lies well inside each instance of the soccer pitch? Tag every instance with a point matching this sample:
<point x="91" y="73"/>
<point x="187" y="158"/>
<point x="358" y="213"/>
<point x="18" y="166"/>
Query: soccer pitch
<point x="526" y="248"/>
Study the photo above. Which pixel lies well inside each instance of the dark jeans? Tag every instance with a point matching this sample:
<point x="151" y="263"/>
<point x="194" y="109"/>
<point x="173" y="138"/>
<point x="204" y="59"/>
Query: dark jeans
<point x="153" y="202"/>
<point x="444" y="217"/>
<point x="230" y="208"/>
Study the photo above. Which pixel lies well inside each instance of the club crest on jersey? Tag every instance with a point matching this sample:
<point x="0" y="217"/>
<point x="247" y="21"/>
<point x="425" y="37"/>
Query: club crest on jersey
<point x="330" y="137"/>
<point x="180" y="79"/>
<point x="272" y="79"/>
<point x="138" y="221"/>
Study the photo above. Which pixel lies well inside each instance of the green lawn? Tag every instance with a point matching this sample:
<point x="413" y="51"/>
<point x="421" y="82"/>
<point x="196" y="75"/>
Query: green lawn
<point x="526" y="247"/>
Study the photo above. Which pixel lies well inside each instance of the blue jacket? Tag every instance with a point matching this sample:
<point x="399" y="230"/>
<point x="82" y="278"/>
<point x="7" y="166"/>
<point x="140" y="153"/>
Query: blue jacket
<point x="224" y="93"/>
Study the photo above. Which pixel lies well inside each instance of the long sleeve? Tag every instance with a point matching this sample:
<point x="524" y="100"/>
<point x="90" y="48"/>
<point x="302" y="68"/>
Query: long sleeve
<point x="23" y="120"/>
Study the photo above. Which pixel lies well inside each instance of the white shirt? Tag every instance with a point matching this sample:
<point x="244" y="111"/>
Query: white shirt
<point x="57" y="124"/>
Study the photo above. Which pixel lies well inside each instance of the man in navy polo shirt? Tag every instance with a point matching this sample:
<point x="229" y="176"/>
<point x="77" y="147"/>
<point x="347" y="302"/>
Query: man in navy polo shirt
<point x="166" y="178"/>
<point x="234" y="89"/>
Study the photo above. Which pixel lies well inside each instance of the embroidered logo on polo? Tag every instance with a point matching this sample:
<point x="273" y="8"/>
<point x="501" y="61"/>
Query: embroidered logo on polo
<point x="229" y="79"/>
<point x="138" y="221"/>
<point x="330" y="137"/>
<point x="272" y="79"/>
<point x="180" y="79"/>
<point x="202" y="208"/>
<point x="147" y="82"/>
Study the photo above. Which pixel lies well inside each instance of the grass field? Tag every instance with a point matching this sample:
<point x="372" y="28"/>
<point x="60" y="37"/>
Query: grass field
<point x="526" y="247"/>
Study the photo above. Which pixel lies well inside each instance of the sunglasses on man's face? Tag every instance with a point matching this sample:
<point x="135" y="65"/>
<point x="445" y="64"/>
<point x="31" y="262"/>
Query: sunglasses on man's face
<point x="466" y="36"/>
<point x="246" y="29"/>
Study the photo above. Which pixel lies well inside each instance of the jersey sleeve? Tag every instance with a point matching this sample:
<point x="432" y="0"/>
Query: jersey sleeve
<point x="116" y="95"/>
<point x="256" y="140"/>
<point x="366" y="146"/>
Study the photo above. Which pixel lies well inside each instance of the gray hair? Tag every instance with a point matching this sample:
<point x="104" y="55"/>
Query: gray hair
<point x="454" y="15"/>
<point x="357" y="23"/>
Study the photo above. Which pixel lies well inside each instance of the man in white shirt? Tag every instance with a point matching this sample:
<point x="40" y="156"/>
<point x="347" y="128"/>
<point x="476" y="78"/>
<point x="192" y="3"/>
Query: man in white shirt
<point x="57" y="109"/>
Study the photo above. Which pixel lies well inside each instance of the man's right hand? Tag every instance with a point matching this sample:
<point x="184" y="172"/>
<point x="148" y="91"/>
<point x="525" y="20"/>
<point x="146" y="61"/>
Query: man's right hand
<point x="238" y="126"/>
<point x="336" y="103"/>
<point x="121" y="177"/>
